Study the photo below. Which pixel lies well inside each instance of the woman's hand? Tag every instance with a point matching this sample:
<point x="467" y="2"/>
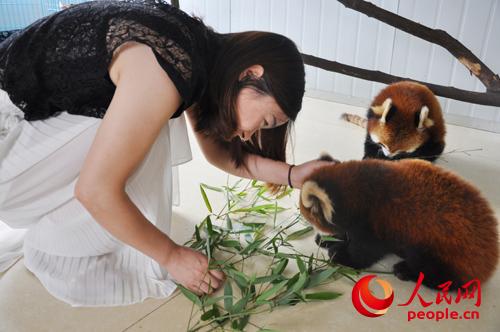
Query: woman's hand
<point x="190" y="268"/>
<point x="301" y="172"/>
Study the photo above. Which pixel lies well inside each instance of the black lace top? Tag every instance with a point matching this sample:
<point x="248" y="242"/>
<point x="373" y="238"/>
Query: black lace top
<point x="60" y="62"/>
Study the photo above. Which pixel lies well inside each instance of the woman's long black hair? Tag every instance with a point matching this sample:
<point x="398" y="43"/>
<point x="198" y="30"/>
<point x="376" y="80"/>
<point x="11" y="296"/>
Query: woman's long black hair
<point x="283" y="79"/>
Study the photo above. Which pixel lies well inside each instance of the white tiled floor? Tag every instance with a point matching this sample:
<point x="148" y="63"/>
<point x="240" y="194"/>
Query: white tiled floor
<point x="26" y="306"/>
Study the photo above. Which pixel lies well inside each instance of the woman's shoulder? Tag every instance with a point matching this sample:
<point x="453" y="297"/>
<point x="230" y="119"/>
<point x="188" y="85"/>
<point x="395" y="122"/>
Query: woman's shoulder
<point x="82" y="40"/>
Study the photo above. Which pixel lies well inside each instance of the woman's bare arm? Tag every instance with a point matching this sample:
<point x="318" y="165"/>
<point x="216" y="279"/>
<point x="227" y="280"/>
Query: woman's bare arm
<point x="144" y="101"/>
<point x="258" y="167"/>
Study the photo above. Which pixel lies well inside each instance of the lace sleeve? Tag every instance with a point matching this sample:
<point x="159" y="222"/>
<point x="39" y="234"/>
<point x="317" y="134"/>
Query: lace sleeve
<point x="174" y="59"/>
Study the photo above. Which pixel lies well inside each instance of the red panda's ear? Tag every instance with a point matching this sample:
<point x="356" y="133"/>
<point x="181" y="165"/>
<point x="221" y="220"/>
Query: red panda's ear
<point x="424" y="121"/>
<point x="383" y="109"/>
<point x="316" y="200"/>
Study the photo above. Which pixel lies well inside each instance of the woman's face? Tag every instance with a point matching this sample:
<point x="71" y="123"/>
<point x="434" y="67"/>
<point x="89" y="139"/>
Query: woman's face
<point x="256" y="111"/>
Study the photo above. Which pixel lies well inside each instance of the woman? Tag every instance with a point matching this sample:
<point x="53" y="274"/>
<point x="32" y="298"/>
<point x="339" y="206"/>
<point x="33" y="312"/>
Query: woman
<point x="102" y="87"/>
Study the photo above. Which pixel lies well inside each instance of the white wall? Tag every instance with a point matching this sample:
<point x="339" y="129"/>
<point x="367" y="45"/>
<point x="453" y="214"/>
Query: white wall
<point x="327" y="29"/>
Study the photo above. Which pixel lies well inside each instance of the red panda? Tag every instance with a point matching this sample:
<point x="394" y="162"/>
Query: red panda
<point x="437" y="222"/>
<point x="404" y="121"/>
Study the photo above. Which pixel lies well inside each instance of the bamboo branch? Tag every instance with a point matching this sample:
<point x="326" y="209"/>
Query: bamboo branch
<point x="482" y="98"/>
<point x="490" y="80"/>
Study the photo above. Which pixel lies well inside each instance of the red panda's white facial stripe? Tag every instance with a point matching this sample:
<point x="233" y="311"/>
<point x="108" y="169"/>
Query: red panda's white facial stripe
<point x="374" y="138"/>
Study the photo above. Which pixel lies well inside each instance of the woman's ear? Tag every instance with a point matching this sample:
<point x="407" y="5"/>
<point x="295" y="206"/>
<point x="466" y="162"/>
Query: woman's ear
<point x="255" y="71"/>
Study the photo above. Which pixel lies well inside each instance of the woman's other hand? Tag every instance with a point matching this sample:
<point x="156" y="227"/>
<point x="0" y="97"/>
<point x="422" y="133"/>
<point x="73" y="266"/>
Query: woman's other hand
<point x="190" y="268"/>
<point x="300" y="172"/>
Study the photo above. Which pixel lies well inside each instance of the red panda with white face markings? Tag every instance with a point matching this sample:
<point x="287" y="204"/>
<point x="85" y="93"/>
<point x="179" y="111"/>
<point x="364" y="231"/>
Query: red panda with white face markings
<point x="437" y="222"/>
<point x="404" y="121"/>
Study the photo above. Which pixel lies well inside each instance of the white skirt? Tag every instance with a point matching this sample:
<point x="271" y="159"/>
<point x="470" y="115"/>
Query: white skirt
<point x="76" y="259"/>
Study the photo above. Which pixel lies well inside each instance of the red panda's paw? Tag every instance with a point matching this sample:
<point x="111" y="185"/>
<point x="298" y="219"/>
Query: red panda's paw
<point x="404" y="272"/>
<point x="320" y="242"/>
<point x="325" y="243"/>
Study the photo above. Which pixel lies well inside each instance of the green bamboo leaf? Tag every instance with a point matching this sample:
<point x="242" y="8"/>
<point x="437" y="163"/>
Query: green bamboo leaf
<point x="229" y="224"/>
<point x="349" y="271"/>
<point x="216" y="312"/>
<point x="300" y="264"/>
<point x="300" y="283"/>
<point x="310" y="264"/>
<point x="325" y="238"/>
<point x="289" y="298"/>
<point x="205" y="198"/>
<point x="215" y="264"/>
<point x="298" y="234"/>
<point x="208" y="315"/>
<point x="237" y="184"/>
<point x="294" y="285"/>
<point x="250" y="209"/>
<point x="271" y="278"/>
<point x="259" y="233"/>
<point x="284" y="255"/>
<point x="265" y="302"/>
<point x="271" y="291"/>
<point x="210" y="228"/>
<point x="190" y="295"/>
<point x="254" y="225"/>
<point x="206" y="186"/>
<point x="212" y="300"/>
<point x="231" y="244"/>
<point x="265" y="206"/>
<point x="262" y="209"/>
<point x="319" y="276"/>
<point x="241" y="304"/>
<point x="293" y="280"/>
<point x="261" y="191"/>
<point x="240" y="278"/>
<point x="243" y="321"/>
<point x="286" y="192"/>
<point x="323" y="296"/>
<point x="197" y="245"/>
<point x="300" y="297"/>
<point x="253" y="290"/>
<point x="228" y="296"/>
<point x="280" y="267"/>
<point x="197" y="233"/>
<point x="251" y="247"/>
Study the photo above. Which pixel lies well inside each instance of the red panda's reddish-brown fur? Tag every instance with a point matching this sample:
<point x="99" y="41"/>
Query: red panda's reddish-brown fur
<point x="410" y="97"/>
<point x="407" y="204"/>
<point x="399" y="134"/>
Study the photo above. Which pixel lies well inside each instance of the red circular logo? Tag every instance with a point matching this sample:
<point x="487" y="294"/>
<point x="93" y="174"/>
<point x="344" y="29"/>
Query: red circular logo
<point x="362" y="297"/>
